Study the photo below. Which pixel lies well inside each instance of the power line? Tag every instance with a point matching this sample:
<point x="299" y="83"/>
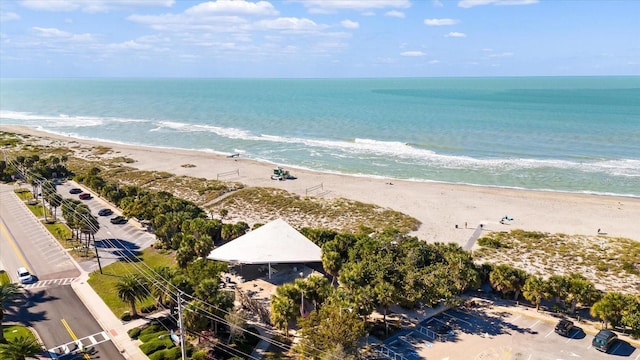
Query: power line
<point x="155" y="276"/>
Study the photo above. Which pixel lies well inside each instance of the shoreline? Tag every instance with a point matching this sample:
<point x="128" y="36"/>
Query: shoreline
<point x="44" y="133"/>
<point x="438" y="206"/>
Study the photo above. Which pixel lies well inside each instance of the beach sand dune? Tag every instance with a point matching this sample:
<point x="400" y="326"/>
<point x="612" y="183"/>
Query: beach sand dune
<point x="439" y="207"/>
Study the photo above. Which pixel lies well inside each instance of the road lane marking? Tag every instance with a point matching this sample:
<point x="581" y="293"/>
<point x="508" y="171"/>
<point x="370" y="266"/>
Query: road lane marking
<point x="75" y="338"/>
<point x="550" y="332"/>
<point x="15" y="248"/>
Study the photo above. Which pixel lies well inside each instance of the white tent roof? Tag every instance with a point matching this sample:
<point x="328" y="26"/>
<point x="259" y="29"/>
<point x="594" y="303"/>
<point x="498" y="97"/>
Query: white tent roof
<point x="275" y="242"/>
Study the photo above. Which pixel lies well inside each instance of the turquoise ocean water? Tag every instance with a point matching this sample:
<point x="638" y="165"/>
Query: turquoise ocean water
<point x="573" y="134"/>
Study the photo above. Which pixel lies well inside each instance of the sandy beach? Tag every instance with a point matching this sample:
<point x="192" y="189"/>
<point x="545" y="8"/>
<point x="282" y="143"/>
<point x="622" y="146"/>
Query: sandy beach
<point x="439" y="207"/>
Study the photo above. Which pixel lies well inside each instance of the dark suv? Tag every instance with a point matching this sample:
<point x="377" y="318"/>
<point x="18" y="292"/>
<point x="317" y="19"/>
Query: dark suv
<point x="603" y="340"/>
<point x="564" y="327"/>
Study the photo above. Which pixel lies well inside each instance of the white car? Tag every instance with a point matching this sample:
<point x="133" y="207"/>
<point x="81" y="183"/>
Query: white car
<point x="24" y="276"/>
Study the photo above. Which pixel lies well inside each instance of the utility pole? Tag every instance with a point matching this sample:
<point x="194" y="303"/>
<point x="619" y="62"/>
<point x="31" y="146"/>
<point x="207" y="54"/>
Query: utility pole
<point x="97" y="255"/>
<point x="181" y="326"/>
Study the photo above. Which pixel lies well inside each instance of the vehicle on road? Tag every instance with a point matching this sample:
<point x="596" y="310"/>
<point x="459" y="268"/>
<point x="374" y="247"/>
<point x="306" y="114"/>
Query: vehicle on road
<point x="118" y="220"/>
<point x="603" y="340"/>
<point x="564" y="327"/>
<point x="105" y="212"/>
<point x="24" y="276"/>
<point x="75" y="191"/>
<point x="84" y="196"/>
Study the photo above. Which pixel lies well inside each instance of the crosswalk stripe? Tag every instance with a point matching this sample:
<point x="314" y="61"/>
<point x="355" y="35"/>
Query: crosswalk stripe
<point x="45" y="283"/>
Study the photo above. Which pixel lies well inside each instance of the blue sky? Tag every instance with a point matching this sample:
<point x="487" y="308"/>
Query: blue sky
<point x="318" y="38"/>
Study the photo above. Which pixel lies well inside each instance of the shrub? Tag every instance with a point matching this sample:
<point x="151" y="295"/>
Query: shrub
<point x="493" y="243"/>
<point x="199" y="355"/>
<point x="125" y="316"/>
<point x="134" y="333"/>
<point x="166" y="354"/>
<point x="153" y="346"/>
<point x="151" y="336"/>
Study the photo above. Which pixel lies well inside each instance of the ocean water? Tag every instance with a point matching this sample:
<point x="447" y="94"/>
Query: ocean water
<point x="570" y="134"/>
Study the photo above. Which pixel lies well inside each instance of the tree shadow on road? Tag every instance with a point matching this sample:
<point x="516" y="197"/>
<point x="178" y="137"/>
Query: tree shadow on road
<point x="124" y="250"/>
<point x="474" y="322"/>
<point x="20" y="310"/>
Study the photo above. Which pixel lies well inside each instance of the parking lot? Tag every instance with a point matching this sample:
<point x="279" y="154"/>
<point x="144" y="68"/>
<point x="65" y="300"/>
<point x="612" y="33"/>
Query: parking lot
<point x="489" y="332"/>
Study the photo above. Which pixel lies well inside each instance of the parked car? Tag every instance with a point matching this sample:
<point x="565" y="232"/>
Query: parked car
<point x="564" y="327"/>
<point x="603" y="340"/>
<point x="24" y="276"/>
<point x="118" y="220"/>
<point x="84" y="196"/>
<point x="75" y="191"/>
<point x="105" y="212"/>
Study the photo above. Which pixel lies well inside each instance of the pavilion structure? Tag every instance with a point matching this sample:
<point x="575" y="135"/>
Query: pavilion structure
<point x="273" y="243"/>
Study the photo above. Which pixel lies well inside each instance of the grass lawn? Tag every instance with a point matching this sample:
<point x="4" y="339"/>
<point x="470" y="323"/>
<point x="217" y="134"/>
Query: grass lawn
<point x="105" y="284"/>
<point x="15" y="331"/>
<point x="24" y="194"/>
<point x="61" y="232"/>
<point x="37" y="210"/>
<point x="4" y="277"/>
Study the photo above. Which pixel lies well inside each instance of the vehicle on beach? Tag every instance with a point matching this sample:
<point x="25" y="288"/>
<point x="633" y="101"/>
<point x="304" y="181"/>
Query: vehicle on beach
<point x="564" y="327"/>
<point x="24" y="276"/>
<point x="281" y="174"/>
<point x="105" y="212"/>
<point x="75" y="191"/>
<point x="604" y="339"/>
<point x="84" y="196"/>
<point x="118" y="220"/>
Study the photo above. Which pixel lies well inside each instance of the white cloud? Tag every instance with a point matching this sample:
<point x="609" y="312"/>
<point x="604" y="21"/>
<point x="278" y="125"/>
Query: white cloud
<point x="330" y="6"/>
<point x="197" y="21"/>
<point x="413" y="53"/>
<point x="437" y="3"/>
<point x="57" y="34"/>
<point x="456" y="34"/>
<point x="440" y="22"/>
<point x="9" y="16"/>
<point x="433" y="62"/>
<point x="472" y="3"/>
<point x="368" y="13"/>
<point x="240" y="7"/>
<point x="350" y="24"/>
<point x="92" y="6"/>
<point x="504" y="54"/>
<point x="50" y="32"/>
<point x="128" y="45"/>
<point x="290" y="23"/>
<point x="395" y="13"/>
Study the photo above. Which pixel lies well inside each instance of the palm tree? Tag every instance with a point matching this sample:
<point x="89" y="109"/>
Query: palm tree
<point x="283" y="310"/>
<point x="506" y="279"/>
<point x="131" y="289"/>
<point x="161" y="288"/>
<point x="385" y="294"/>
<point x="581" y="291"/>
<point x="331" y="262"/>
<point x="20" y="348"/>
<point x="55" y="202"/>
<point x="534" y="290"/>
<point x="8" y="292"/>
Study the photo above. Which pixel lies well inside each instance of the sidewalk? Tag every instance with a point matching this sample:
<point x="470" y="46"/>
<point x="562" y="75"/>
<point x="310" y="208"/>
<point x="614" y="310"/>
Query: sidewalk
<point x="108" y="321"/>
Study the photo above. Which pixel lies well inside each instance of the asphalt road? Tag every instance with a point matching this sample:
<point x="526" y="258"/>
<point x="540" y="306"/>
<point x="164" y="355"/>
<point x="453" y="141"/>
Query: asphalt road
<point x="50" y="307"/>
